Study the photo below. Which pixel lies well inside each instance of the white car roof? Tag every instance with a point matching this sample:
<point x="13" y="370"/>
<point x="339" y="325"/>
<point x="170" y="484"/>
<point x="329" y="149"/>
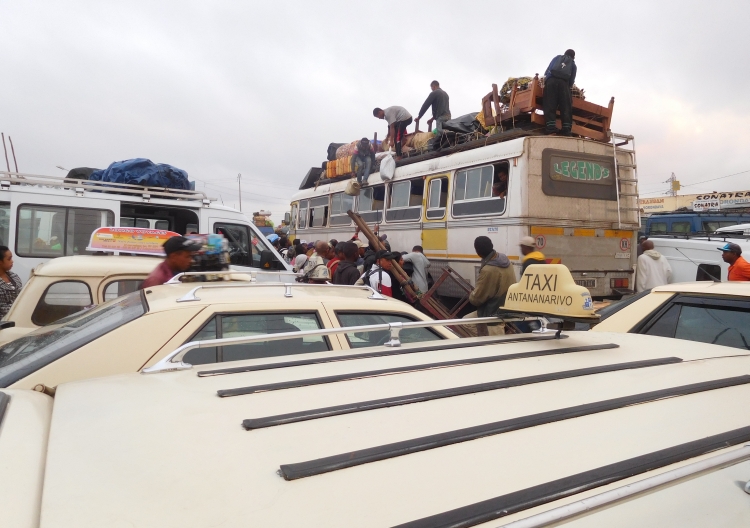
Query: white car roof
<point x="311" y="440"/>
<point x="97" y="266"/>
<point x="736" y="288"/>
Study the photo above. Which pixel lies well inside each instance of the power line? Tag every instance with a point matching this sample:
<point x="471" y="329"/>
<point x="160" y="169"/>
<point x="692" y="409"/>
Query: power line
<point x="719" y="178"/>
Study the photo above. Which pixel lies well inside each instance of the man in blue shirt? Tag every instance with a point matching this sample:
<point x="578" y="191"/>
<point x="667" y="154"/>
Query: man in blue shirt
<point x="558" y="80"/>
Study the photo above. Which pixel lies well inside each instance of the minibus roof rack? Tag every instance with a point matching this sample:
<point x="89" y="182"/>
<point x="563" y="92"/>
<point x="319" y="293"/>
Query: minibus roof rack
<point x="79" y="186"/>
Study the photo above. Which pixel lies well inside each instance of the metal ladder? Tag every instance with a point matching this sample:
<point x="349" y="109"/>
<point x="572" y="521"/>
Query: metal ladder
<point x="619" y="141"/>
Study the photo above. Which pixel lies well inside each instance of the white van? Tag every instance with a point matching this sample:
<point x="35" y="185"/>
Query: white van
<point x="697" y="258"/>
<point x="43" y="217"/>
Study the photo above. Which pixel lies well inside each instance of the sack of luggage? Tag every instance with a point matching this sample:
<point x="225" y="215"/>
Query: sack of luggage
<point x="563" y="68"/>
<point x="387" y="167"/>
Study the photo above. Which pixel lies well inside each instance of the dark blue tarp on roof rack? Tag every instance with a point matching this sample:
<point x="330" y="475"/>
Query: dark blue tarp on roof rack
<point x="141" y="171"/>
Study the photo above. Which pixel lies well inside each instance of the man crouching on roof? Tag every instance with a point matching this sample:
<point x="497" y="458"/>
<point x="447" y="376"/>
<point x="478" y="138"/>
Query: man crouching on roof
<point x="495" y="277"/>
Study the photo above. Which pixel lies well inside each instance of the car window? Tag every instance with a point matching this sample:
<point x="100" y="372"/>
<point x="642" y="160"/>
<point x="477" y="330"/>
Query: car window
<point x="717" y="326"/>
<point x="120" y="287"/>
<point x="60" y="300"/>
<point x="368" y="339"/>
<point x="237" y="325"/>
<point x="709" y="323"/>
<point x="31" y="352"/>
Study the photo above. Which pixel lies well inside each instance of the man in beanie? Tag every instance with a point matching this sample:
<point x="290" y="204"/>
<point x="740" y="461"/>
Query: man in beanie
<point x="495" y="277"/>
<point x="179" y="251"/>
<point x="530" y="253"/>
<point x="739" y="268"/>
<point x="558" y="80"/>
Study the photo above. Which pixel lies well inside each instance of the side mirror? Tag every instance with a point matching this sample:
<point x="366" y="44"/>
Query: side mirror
<point x="287" y="218"/>
<point x="7" y="324"/>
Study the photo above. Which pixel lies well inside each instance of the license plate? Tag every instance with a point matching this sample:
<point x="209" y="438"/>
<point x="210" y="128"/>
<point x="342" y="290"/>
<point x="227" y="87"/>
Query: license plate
<point x="586" y="283"/>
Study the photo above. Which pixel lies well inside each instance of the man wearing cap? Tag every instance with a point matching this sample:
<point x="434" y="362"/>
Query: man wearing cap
<point x="378" y="277"/>
<point x="739" y="268"/>
<point x="530" y="253"/>
<point x="179" y="251"/>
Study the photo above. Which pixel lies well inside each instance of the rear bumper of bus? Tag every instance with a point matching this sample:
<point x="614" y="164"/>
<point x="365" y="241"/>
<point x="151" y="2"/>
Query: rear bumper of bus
<point x="605" y="283"/>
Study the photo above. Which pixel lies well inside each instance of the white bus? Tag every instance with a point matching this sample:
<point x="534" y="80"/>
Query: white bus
<point x="567" y="193"/>
<point x="43" y="217"/>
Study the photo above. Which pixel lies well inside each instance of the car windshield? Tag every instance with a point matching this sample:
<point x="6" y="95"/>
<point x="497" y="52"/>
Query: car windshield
<point x="28" y="354"/>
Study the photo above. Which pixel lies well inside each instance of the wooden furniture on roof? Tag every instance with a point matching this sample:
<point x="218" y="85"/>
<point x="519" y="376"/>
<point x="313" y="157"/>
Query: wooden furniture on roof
<point x="589" y="120"/>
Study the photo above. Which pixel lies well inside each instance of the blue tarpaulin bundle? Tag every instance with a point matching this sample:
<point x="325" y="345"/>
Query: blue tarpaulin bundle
<point x="141" y="171"/>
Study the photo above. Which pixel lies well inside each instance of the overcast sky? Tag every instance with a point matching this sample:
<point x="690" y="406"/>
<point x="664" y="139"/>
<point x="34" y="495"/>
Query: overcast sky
<point x="219" y="88"/>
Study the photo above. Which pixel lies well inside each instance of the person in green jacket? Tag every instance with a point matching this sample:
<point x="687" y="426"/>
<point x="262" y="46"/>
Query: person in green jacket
<point x="495" y="277"/>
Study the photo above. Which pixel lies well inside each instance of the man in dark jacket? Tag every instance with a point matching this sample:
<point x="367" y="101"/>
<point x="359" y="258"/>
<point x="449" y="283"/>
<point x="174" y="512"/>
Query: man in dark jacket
<point x="347" y="272"/>
<point x="495" y="277"/>
<point x="438" y="100"/>
<point x="558" y="80"/>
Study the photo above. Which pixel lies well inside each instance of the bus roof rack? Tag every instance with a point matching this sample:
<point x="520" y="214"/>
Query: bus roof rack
<point x="79" y="186"/>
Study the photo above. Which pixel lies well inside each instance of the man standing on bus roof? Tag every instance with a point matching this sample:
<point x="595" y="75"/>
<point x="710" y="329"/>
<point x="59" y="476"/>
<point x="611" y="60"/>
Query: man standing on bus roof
<point x="398" y="118"/>
<point x="739" y="268"/>
<point x="558" y="80"/>
<point x="531" y="255"/>
<point x="438" y="100"/>
<point x="179" y="251"/>
<point x="495" y="277"/>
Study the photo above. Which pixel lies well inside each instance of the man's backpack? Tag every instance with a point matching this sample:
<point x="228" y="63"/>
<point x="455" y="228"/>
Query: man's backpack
<point x="306" y="276"/>
<point x="563" y="68"/>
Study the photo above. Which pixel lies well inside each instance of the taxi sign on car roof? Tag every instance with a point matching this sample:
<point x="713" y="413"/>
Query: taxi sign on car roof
<point x="549" y="289"/>
<point x="138" y="240"/>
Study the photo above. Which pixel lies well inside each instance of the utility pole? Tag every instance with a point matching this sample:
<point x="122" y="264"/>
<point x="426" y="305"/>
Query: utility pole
<point x="674" y="185"/>
<point x="239" y="186"/>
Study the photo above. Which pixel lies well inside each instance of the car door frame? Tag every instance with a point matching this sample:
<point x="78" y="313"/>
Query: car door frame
<point x="690" y="299"/>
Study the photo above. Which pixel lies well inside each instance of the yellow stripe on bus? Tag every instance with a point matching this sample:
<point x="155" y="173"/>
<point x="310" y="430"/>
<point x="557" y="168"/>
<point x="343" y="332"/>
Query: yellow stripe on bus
<point x="613" y="233"/>
<point x="584" y="232"/>
<point x="536" y="230"/>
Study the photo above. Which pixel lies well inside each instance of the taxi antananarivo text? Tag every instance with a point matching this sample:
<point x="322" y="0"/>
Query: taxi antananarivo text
<point x="706" y="311"/>
<point x="67" y="285"/>
<point x="587" y="429"/>
<point x="138" y="329"/>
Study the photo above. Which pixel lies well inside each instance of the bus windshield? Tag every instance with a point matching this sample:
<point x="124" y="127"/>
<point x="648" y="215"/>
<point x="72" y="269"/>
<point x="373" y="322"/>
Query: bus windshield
<point x="49" y="343"/>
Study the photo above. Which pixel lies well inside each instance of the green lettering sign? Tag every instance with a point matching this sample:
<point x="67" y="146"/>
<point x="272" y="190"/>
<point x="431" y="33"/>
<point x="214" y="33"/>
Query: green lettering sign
<point x="581" y="170"/>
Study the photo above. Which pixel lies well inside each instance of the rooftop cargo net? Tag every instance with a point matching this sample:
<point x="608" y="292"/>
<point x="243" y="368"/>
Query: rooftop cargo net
<point x="144" y="172"/>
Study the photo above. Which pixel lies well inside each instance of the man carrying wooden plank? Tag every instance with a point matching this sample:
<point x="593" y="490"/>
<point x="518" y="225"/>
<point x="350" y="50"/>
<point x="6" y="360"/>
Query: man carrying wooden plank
<point x="558" y="80"/>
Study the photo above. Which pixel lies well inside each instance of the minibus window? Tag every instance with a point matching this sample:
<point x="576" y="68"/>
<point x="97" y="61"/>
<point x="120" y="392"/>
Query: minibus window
<point x="370" y="206"/>
<point x="44" y="231"/>
<point x="438" y="198"/>
<point x="4" y="224"/>
<point x="658" y="227"/>
<point x="480" y="191"/>
<point x="238" y="237"/>
<point x="340" y="204"/>
<point x="405" y="201"/>
<point x="303" y="214"/>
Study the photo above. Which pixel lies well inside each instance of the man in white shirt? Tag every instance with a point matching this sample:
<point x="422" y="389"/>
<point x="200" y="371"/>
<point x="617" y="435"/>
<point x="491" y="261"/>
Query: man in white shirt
<point x="398" y="118"/>
<point x="653" y="269"/>
<point x="420" y="263"/>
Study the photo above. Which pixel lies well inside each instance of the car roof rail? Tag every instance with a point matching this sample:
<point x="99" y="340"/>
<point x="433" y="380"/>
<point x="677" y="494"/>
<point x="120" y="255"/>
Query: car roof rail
<point x="191" y="295"/>
<point x="173" y="361"/>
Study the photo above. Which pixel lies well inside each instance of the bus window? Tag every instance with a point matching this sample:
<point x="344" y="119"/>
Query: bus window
<point x="437" y="199"/>
<point x="340" y="204"/>
<point x="319" y="211"/>
<point x="134" y="222"/>
<point x="44" y="231"/>
<point x="4" y="223"/>
<point x="680" y="227"/>
<point x="405" y="201"/>
<point x="370" y="206"/>
<point x="481" y="190"/>
<point x="293" y="224"/>
<point x="658" y="227"/>
<point x="303" y="214"/>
